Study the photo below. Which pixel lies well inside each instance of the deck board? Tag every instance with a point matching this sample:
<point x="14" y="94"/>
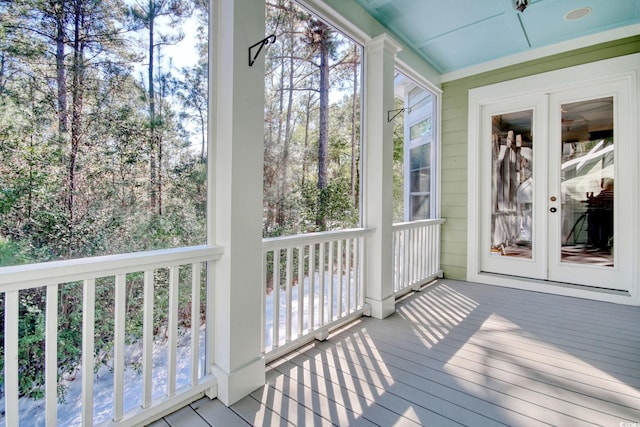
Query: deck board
<point x="456" y="353"/>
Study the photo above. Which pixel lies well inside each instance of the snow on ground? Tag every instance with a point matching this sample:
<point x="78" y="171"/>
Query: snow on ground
<point x="32" y="412"/>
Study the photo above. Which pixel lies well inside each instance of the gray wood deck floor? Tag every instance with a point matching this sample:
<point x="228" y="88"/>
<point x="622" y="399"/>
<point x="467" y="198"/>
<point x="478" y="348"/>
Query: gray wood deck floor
<point x="455" y="354"/>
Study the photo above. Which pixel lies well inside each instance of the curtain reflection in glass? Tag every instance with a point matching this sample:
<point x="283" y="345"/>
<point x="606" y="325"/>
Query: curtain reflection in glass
<point x="587" y="182"/>
<point x="512" y="184"/>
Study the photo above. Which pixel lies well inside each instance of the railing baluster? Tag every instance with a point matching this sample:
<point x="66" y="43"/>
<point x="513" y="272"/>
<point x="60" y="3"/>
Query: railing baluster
<point x="360" y="287"/>
<point x="275" y="340"/>
<point x="51" y="356"/>
<point x="400" y="235"/>
<point x="331" y="281"/>
<point x="411" y="256"/>
<point x="88" y="328"/>
<point x="174" y="273"/>
<point x="349" y="271"/>
<point x="430" y="249"/>
<point x="210" y="326"/>
<point x="147" y="338"/>
<point x="416" y="256"/>
<point x="301" y="251"/>
<point x="118" y="346"/>
<point x="321" y="272"/>
<point x="288" y="292"/>
<point x="394" y="254"/>
<point x="265" y="272"/>
<point x="340" y="277"/>
<point x="195" y="322"/>
<point x="419" y="252"/>
<point x="405" y="257"/>
<point x="435" y="247"/>
<point x="312" y="285"/>
<point x="424" y="252"/>
<point x="11" y="343"/>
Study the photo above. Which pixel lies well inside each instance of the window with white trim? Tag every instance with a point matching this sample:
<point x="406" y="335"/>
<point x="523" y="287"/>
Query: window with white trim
<point x="415" y="151"/>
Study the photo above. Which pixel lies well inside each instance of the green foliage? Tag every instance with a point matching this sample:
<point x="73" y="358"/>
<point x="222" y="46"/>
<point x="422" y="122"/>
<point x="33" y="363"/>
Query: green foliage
<point x="398" y="163"/>
<point x="311" y="156"/>
<point x="76" y="146"/>
<point x="11" y="253"/>
<point x="332" y="204"/>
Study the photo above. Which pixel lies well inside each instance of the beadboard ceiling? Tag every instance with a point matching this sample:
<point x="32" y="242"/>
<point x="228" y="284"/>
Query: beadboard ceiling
<point x="455" y="34"/>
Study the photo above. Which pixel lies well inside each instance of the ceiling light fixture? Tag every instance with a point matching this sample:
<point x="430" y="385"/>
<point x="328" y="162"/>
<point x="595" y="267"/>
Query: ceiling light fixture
<point x="521" y="5"/>
<point x="576" y="14"/>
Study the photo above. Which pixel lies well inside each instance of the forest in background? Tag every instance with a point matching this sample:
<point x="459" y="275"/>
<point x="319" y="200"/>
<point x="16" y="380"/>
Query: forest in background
<point x="102" y="151"/>
<point x="312" y="125"/>
<point x="97" y="127"/>
<point x="103" y="138"/>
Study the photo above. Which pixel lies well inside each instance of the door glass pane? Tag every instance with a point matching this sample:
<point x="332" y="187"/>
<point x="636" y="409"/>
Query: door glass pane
<point x="587" y="182"/>
<point x="512" y="184"/>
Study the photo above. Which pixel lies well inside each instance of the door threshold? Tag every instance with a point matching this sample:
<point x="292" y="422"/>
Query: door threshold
<point x="619" y="296"/>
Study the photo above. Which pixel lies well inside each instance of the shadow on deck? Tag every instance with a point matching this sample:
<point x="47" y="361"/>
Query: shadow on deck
<point x="455" y="353"/>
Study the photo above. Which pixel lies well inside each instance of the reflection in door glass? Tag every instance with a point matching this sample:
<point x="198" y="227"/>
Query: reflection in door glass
<point x="512" y="184"/>
<point x="587" y="182"/>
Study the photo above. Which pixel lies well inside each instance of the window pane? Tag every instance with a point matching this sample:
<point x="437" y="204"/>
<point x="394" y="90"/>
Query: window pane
<point x="512" y="184"/>
<point x="588" y="171"/>
<point x="420" y="129"/>
<point x="420" y="207"/>
<point x="312" y="124"/>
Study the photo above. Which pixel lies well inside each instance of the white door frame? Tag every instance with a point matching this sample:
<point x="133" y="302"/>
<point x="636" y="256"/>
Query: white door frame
<point x="626" y="68"/>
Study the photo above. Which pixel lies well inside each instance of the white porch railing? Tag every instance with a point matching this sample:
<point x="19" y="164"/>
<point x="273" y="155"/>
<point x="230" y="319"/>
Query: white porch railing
<point x="53" y="276"/>
<point x="416" y="254"/>
<point x="314" y="283"/>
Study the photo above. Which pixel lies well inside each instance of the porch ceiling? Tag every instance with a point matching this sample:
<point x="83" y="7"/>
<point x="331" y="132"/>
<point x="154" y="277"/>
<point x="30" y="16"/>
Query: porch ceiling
<point x="456" y="34"/>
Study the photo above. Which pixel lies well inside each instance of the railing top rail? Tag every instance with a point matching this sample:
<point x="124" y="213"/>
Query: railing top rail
<point x="320" y="237"/>
<point x="54" y="272"/>
<point x="416" y="224"/>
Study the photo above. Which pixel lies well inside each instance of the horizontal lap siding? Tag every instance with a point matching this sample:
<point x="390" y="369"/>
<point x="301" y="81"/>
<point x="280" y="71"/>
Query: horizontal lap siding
<point x="454" y="159"/>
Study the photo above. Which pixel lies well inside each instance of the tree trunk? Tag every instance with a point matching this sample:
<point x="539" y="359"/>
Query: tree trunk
<point x="76" y="117"/>
<point x="354" y="142"/>
<point x="306" y="141"/>
<point x="153" y="171"/>
<point x="285" y="143"/>
<point x="203" y="131"/>
<point x="323" y="140"/>
<point x="60" y="68"/>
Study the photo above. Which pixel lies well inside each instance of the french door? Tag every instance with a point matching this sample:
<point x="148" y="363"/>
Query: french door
<point x="555" y="186"/>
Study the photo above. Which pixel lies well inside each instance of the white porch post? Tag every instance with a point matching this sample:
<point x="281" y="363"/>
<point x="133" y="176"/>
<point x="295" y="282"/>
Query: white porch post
<point x="237" y="199"/>
<point x="378" y="174"/>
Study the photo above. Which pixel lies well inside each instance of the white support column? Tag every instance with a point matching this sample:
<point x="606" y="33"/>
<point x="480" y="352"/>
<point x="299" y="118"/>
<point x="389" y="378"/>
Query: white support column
<point x="378" y="174"/>
<point x="237" y="156"/>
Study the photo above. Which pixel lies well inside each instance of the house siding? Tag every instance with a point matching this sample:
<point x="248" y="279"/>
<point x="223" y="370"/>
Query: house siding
<point x="455" y="106"/>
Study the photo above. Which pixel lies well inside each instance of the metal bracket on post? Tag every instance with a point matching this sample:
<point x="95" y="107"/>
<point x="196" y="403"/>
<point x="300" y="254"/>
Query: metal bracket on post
<point x="397" y="113"/>
<point x="260" y="45"/>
